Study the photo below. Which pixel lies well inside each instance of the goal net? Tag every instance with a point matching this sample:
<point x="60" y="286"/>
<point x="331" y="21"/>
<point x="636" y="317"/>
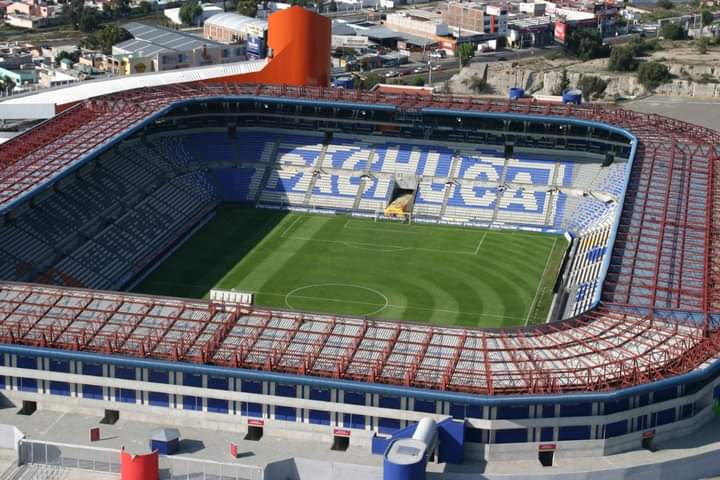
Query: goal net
<point x="396" y="217"/>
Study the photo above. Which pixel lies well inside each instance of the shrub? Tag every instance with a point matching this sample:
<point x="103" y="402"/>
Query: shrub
<point x="653" y="74"/>
<point x="622" y="59"/>
<point x="672" y="31"/>
<point x="592" y="86"/>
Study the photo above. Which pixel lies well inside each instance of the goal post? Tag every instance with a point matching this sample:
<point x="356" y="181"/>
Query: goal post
<point x="404" y="217"/>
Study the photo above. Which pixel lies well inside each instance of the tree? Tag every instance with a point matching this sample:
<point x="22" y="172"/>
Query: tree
<point x="145" y="8"/>
<point x="72" y="56"/>
<point x="666" y="4"/>
<point x="587" y="44"/>
<point x="370" y="80"/>
<point x="653" y="74"/>
<point x="120" y="8"/>
<point x="332" y="7"/>
<point x="478" y="84"/>
<point x="466" y="51"/>
<point x="89" y="20"/>
<point x="72" y="12"/>
<point x="189" y="12"/>
<point x="592" y="86"/>
<point x="707" y="17"/>
<point x="622" y="59"/>
<point x="110" y="35"/>
<point x="247" y="8"/>
<point x="563" y="85"/>
<point x="418" y="81"/>
<point x="672" y="31"/>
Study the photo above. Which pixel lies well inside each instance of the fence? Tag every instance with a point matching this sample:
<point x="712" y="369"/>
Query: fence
<point x="107" y="460"/>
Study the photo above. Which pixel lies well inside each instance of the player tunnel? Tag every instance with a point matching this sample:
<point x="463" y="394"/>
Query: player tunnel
<point x="403" y="196"/>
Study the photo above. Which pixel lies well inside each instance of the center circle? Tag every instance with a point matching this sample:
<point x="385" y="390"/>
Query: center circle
<point x="338" y="298"/>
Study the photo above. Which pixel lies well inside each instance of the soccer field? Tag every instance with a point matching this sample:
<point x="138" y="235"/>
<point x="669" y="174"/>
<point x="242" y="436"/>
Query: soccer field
<point x="432" y="274"/>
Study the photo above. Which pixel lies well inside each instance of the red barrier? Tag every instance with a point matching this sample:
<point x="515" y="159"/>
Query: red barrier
<point x="139" y="467"/>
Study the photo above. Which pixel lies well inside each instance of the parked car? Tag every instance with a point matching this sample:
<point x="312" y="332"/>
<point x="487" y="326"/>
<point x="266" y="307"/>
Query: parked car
<point x="391" y="73"/>
<point x="420" y="69"/>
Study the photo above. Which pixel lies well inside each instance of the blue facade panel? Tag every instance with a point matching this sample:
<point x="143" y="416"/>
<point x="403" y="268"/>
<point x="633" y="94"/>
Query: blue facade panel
<point x="216" y="405"/>
<point x="251" y="409"/>
<point x="513" y="435"/>
<point x="474" y="435"/>
<point x="686" y="411"/>
<point x="616" y="429"/>
<point x="125" y="395"/>
<point x="580" y="432"/>
<point x="547" y="434"/>
<point x="665" y="416"/>
<point x="510" y="412"/>
<point x="457" y="411"/>
<point x="288" y="414"/>
<point x="664" y="395"/>
<point x="158" y="376"/>
<point x="617" y="406"/>
<point x="190" y="402"/>
<point x="548" y="411"/>
<point x="27" y="384"/>
<point x="92" y="391"/>
<point x="60" y="388"/>
<point x="426" y="406"/>
<point x="157" y="399"/>
<point x="217" y="383"/>
<point x="319" y="417"/>
<point x="94" y="369"/>
<point x="576" y="410"/>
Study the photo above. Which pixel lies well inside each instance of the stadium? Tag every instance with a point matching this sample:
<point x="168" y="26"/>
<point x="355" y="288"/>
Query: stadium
<point x="337" y="266"/>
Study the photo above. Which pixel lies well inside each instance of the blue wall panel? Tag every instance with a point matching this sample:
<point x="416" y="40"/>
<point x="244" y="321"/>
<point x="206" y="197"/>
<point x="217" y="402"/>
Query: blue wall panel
<point x="158" y="376"/>
<point x="510" y="412"/>
<point x="158" y="399"/>
<point x="580" y="432"/>
<point x="617" y="406"/>
<point x="285" y="413"/>
<point x="452" y="442"/>
<point x="60" y="388"/>
<point x="547" y="434"/>
<point x="92" y="391"/>
<point x="665" y="416"/>
<point x="217" y="383"/>
<point x="192" y="403"/>
<point x="686" y="411"/>
<point x="125" y="395"/>
<point x="616" y="429"/>
<point x="513" y="435"/>
<point x="94" y="369"/>
<point x="576" y="410"/>
<point x="474" y="435"/>
<point x="319" y="417"/>
<point x="388" y="425"/>
<point x="457" y="410"/>
<point x="425" y="406"/>
<point x="666" y="394"/>
<point x="216" y="405"/>
<point x="251" y="409"/>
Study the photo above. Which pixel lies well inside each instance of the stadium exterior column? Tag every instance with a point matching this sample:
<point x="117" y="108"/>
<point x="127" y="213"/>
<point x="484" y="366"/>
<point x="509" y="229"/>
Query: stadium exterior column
<point x="204" y="399"/>
<point x="108" y="392"/>
<point x="74" y="386"/>
<point x="266" y="391"/>
<point x="300" y="394"/>
<point x="142" y="399"/>
<point x="180" y="405"/>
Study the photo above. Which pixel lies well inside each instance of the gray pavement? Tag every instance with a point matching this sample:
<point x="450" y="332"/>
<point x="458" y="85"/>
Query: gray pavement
<point x="704" y="112"/>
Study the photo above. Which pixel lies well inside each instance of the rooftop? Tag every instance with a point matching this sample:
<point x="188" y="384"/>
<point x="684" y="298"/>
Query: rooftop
<point x="150" y="40"/>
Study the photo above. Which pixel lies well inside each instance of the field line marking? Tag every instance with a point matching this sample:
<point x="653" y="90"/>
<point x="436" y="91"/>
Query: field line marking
<point x="382" y="248"/>
<point x="542" y="276"/>
<point x="292" y="224"/>
<point x="477" y="249"/>
<point x="291" y="293"/>
<point x="407" y="230"/>
<point x="390" y="305"/>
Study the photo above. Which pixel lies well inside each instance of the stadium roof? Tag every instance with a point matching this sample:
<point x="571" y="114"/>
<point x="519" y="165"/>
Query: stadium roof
<point x="659" y="316"/>
<point x="235" y="21"/>
<point x="162" y="38"/>
<point x="17" y="106"/>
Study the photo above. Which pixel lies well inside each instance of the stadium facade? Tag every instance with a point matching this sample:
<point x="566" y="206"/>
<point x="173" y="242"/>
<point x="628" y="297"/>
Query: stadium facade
<point x="94" y="197"/>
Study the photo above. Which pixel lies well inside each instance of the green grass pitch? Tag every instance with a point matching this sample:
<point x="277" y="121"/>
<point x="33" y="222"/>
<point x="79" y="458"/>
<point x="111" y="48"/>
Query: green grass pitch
<point x="432" y="274"/>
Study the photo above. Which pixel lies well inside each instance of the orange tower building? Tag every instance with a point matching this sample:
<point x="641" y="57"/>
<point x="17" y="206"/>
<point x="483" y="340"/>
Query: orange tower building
<point x="299" y="41"/>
